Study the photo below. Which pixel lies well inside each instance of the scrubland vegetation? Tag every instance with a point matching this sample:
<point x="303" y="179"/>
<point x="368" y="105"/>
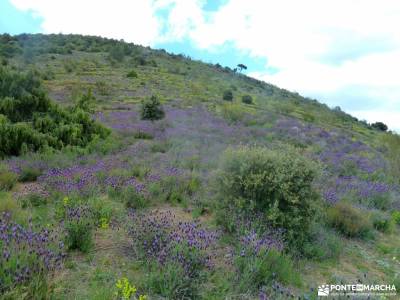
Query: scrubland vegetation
<point x="131" y="173"/>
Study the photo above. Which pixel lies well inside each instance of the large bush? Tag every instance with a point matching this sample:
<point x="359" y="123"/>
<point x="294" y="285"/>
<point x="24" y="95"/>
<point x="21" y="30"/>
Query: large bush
<point x="277" y="184"/>
<point x="30" y="121"/>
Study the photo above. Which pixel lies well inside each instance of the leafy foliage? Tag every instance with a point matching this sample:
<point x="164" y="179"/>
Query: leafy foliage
<point x="383" y="223"/>
<point x="132" y="74"/>
<point x="152" y="109"/>
<point x="29" y="121"/>
<point x="228" y="95"/>
<point x="349" y="220"/>
<point x="247" y="99"/>
<point x="278" y="184"/>
<point x="379" y="126"/>
<point x="263" y="268"/>
<point x="79" y="226"/>
<point x="7" y="180"/>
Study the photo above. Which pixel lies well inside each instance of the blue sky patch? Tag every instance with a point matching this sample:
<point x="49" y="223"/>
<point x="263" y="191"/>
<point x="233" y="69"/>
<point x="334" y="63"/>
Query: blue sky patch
<point x="14" y="21"/>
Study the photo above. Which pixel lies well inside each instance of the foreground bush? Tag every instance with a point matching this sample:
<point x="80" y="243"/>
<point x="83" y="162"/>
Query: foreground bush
<point x="349" y="220"/>
<point x="277" y="184"/>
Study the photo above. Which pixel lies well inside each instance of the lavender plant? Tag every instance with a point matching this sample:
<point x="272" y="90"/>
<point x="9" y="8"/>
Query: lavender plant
<point x="27" y="253"/>
<point x="78" y="225"/>
<point x="259" y="262"/>
<point x="175" y="252"/>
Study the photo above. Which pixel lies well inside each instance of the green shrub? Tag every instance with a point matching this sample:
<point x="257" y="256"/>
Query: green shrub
<point x="247" y="99"/>
<point x="396" y="217"/>
<point x="142" y="135"/>
<point x="279" y="184"/>
<point x="391" y="142"/>
<point x="7" y="203"/>
<point x="382" y="222"/>
<point x="133" y="199"/>
<point x="152" y="109"/>
<point x="33" y="200"/>
<point x="86" y="102"/>
<point x="379" y="126"/>
<point x="232" y="112"/>
<point x="79" y="226"/>
<point x="323" y="244"/>
<point x="29" y="121"/>
<point x="132" y="74"/>
<point x="103" y="88"/>
<point x="171" y="282"/>
<point x="349" y="220"/>
<point x="160" y="147"/>
<point x="348" y="168"/>
<point x="228" y="95"/>
<point x="7" y="180"/>
<point x="29" y="174"/>
<point x="116" y="53"/>
<point x="382" y="201"/>
<point x="256" y="271"/>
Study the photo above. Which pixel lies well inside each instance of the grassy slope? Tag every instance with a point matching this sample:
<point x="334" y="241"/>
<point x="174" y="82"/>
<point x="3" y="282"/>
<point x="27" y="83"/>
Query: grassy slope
<point x="184" y="84"/>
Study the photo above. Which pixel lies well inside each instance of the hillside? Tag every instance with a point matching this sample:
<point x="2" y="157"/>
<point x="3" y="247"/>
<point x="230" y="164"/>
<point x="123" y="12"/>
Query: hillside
<point x="239" y="190"/>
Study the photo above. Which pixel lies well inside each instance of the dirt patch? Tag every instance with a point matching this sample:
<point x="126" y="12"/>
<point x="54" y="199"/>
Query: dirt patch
<point x="25" y="189"/>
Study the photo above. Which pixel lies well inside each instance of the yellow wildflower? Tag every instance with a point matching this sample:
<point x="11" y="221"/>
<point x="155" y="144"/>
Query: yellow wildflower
<point x="104" y="224"/>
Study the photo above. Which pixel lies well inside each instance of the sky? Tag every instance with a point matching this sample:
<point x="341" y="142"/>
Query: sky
<point x="341" y="52"/>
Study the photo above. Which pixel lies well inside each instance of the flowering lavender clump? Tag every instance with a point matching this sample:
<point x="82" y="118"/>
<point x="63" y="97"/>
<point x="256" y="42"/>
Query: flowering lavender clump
<point x="259" y="261"/>
<point x="78" y="224"/>
<point x="370" y="194"/>
<point x="26" y="253"/>
<point x="254" y="244"/>
<point x="175" y="252"/>
<point x="158" y="236"/>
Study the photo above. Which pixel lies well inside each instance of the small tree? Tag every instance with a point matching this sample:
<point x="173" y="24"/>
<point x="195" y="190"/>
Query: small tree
<point x="247" y="99"/>
<point x="241" y="67"/>
<point x="379" y="126"/>
<point x="152" y="109"/>
<point x="228" y="95"/>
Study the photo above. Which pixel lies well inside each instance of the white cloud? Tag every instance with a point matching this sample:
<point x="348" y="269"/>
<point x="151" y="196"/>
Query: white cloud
<point x="321" y="48"/>
<point x="131" y="20"/>
<point x="326" y="49"/>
